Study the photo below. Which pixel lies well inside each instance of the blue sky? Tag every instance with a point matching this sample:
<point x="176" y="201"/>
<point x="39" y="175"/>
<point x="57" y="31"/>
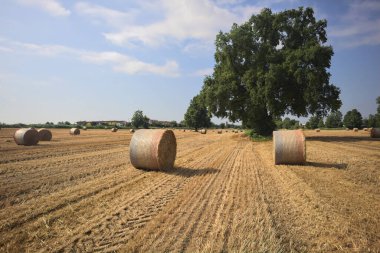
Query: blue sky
<point x="102" y="60"/>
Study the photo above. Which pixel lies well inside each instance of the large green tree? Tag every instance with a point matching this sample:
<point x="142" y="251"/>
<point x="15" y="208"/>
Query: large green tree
<point x="353" y="119"/>
<point x="334" y="120"/>
<point x="314" y="122"/>
<point x="274" y="64"/>
<point x="140" y="120"/>
<point x="197" y="115"/>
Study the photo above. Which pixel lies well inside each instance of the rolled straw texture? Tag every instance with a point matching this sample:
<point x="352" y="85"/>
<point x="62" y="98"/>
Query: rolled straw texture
<point x="44" y="134"/>
<point x="74" y="131"/>
<point x="26" y="136"/>
<point x="289" y="147"/>
<point x="153" y="149"/>
<point x="375" y="132"/>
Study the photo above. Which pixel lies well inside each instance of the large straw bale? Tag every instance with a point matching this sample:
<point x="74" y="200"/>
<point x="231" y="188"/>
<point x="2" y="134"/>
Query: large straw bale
<point x="317" y="130"/>
<point x="219" y="131"/>
<point x="289" y="147"/>
<point x="203" y="131"/>
<point x="26" y="136"/>
<point x="114" y="129"/>
<point x="44" y="134"/>
<point x="74" y="131"/>
<point x="132" y="130"/>
<point x="153" y="149"/>
<point x="375" y="132"/>
<point x="355" y="129"/>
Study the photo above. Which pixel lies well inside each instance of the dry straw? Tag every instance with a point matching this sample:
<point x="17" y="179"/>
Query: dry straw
<point x="375" y="132"/>
<point x="203" y="131"/>
<point x="289" y="147"/>
<point x="114" y="129"/>
<point x="317" y="130"/>
<point x="26" y="136"/>
<point x="74" y="131"/>
<point x="153" y="149"/>
<point x="355" y="129"/>
<point x="44" y="134"/>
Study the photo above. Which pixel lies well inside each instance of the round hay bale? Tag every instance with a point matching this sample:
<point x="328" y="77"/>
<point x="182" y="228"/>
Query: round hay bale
<point x="114" y="130"/>
<point x="317" y="130"/>
<point x="153" y="149"/>
<point x="203" y="131"/>
<point x="375" y="132"/>
<point x="44" y="134"/>
<point x="365" y="129"/>
<point x="74" y="131"/>
<point x="219" y="131"/>
<point x="84" y="128"/>
<point x="132" y="130"/>
<point x="26" y="136"/>
<point x="355" y="129"/>
<point x="289" y="147"/>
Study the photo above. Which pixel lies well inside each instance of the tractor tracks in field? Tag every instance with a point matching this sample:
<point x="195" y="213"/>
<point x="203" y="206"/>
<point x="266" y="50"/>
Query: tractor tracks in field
<point x="110" y="233"/>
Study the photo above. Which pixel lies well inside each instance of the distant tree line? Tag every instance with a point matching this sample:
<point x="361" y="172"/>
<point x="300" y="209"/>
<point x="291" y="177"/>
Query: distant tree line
<point x="352" y="119"/>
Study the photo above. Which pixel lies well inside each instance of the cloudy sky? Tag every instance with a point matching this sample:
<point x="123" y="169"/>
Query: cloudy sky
<point x="101" y="60"/>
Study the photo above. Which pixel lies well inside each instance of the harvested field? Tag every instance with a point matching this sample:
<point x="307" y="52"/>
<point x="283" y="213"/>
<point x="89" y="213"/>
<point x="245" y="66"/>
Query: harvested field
<point x="81" y="193"/>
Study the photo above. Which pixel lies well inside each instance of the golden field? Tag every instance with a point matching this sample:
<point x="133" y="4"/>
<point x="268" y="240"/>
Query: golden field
<point x="81" y="194"/>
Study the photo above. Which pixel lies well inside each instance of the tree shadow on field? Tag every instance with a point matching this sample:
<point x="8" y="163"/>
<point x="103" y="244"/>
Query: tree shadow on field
<point x="187" y="172"/>
<point x="342" y="138"/>
<point x="339" y="166"/>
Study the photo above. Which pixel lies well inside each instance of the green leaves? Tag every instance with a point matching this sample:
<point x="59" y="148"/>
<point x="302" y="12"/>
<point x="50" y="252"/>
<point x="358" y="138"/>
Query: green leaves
<point x="197" y="115"/>
<point x="273" y="64"/>
<point x="140" y="120"/>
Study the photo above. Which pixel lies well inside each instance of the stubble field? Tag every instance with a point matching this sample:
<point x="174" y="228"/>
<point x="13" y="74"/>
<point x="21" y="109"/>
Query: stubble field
<point x="81" y="193"/>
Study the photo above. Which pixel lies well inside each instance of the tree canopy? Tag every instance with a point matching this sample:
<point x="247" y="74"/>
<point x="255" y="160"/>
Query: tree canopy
<point x="353" y="119"/>
<point x="197" y="115"/>
<point x="334" y="120"/>
<point x="314" y="122"/>
<point x="140" y="120"/>
<point x="274" y="64"/>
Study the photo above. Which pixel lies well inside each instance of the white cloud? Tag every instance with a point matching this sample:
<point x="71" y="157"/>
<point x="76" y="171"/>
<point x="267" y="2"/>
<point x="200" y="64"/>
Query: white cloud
<point x="112" y="17"/>
<point x="119" y="62"/>
<point x="203" y="72"/>
<point x="359" y="26"/>
<point x="178" y="21"/>
<point x="130" y="65"/>
<point x="53" y="7"/>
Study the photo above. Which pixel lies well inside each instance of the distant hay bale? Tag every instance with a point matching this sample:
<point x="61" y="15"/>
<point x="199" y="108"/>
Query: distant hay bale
<point x="26" y="136"/>
<point x="153" y="149"/>
<point x="347" y="129"/>
<point x="74" y="131"/>
<point x="289" y="147"/>
<point x="375" y="132"/>
<point x="355" y="129"/>
<point x="184" y="130"/>
<point x="114" y="129"/>
<point x="317" y="130"/>
<point x="84" y="128"/>
<point x="44" y="134"/>
<point x="365" y="129"/>
<point x="132" y="130"/>
<point x="219" y="131"/>
<point x="203" y="131"/>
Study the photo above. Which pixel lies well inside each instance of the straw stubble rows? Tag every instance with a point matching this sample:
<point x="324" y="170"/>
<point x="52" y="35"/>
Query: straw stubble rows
<point x="80" y="193"/>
